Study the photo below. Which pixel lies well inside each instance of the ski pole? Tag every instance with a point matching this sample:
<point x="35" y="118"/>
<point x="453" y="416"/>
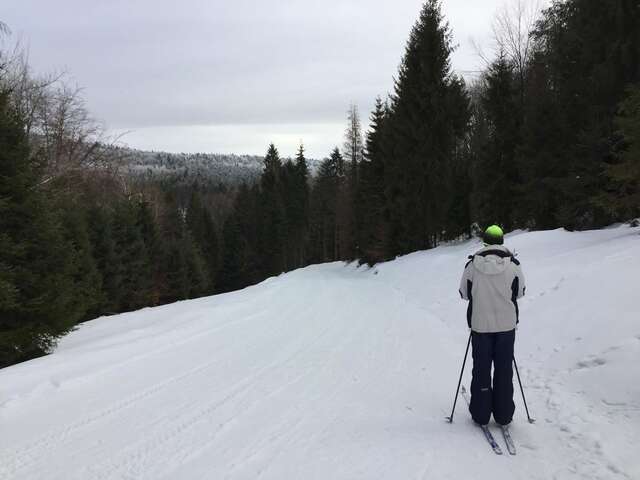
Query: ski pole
<point x="531" y="420"/>
<point x="455" y="399"/>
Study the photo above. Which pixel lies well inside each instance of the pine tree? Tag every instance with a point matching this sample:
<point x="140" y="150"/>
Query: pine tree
<point x="210" y="248"/>
<point x="622" y="195"/>
<point x="135" y="272"/>
<point x="372" y="222"/>
<point x="586" y="55"/>
<point x="300" y="208"/>
<point x="107" y="262"/>
<point x="287" y="196"/>
<point x="326" y="223"/>
<point x="205" y="235"/>
<point x="495" y="173"/>
<point x="198" y="277"/>
<point x="231" y="273"/>
<point x="87" y="280"/>
<point x="149" y="230"/>
<point x="37" y="268"/>
<point x="540" y="158"/>
<point x="273" y="220"/>
<point x="428" y="118"/>
<point x="184" y="267"/>
<point x="241" y="265"/>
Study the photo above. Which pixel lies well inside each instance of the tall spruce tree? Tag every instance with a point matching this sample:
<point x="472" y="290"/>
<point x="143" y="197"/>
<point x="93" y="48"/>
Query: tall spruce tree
<point x="106" y="258"/>
<point x="586" y="55"/>
<point x="88" y="291"/>
<point x="273" y="219"/>
<point x="37" y="267"/>
<point x="241" y="263"/>
<point x="326" y="222"/>
<point x="428" y="118"/>
<point x="495" y="173"/>
<point x="372" y="221"/>
<point x="185" y="274"/>
<point x="300" y="208"/>
<point x="621" y="196"/>
<point x="149" y="229"/>
<point x="135" y="275"/>
<point x="205" y="235"/>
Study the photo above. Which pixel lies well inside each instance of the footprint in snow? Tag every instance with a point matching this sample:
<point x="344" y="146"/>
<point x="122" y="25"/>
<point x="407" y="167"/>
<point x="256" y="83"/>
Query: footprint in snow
<point x="529" y="446"/>
<point x="595" y="362"/>
<point x="557" y="285"/>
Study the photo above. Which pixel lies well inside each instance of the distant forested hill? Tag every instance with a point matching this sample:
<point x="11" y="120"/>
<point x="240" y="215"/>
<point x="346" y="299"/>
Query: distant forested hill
<point x="206" y="168"/>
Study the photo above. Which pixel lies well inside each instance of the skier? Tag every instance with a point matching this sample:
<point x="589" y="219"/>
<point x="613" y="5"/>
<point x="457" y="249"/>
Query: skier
<point x="492" y="282"/>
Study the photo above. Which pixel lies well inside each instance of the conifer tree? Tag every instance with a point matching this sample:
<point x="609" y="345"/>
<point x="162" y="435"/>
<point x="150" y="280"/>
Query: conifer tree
<point x="325" y="217"/>
<point x="205" y="234"/>
<point x="87" y="280"/>
<point x="301" y="163"/>
<point x="37" y="268"/>
<point x="185" y="274"/>
<point x="428" y="118"/>
<point x="273" y="220"/>
<point x="622" y="194"/>
<point x="586" y="56"/>
<point x="149" y="230"/>
<point x="495" y="174"/>
<point x="210" y="248"/>
<point x="287" y="196"/>
<point x="300" y="208"/>
<point x="198" y="277"/>
<point x="372" y="222"/>
<point x="176" y="272"/>
<point x="240" y="264"/>
<point x="135" y="274"/>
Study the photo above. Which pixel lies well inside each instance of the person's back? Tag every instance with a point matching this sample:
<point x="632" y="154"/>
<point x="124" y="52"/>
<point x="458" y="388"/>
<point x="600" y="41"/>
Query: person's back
<point x="492" y="282"/>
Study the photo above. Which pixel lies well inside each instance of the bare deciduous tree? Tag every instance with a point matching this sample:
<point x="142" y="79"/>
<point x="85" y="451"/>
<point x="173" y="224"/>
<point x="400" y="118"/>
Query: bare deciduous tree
<point x="353" y="146"/>
<point x="62" y="133"/>
<point x="512" y="28"/>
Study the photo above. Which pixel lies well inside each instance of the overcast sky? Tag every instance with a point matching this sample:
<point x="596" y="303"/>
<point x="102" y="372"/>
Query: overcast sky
<point x="231" y="76"/>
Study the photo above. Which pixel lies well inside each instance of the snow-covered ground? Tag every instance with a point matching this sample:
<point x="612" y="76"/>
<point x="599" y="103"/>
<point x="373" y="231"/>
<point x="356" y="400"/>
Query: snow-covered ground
<point x="339" y="372"/>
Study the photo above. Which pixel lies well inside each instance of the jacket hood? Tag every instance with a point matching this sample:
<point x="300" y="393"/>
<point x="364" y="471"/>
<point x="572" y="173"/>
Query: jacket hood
<point x="492" y="263"/>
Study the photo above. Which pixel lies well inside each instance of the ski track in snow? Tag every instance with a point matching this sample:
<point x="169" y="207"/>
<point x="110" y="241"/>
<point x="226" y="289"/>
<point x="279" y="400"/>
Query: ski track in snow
<point x="339" y="372"/>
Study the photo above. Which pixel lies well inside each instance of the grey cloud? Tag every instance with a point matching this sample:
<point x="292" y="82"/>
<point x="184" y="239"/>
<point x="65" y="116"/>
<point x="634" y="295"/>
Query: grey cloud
<point x="148" y="63"/>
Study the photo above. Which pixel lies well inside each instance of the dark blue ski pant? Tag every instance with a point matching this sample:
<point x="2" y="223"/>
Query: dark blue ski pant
<point x="496" y="398"/>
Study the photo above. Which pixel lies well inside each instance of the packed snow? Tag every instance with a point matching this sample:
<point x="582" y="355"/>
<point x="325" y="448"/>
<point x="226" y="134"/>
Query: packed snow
<point x="342" y="372"/>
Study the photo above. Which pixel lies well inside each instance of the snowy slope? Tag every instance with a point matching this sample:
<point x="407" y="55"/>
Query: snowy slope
<point x="338" y="372"/>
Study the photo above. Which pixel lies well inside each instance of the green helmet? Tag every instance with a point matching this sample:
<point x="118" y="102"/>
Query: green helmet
<point x="493" y="235"/>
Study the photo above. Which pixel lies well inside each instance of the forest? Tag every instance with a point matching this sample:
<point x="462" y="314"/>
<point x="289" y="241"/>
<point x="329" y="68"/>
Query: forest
<point x="547" y="136"/>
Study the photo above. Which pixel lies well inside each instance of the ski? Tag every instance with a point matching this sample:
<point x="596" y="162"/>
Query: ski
<point x="485" y="429"/>
<point x="506" y="433"/>
<point x="492" y="441"/>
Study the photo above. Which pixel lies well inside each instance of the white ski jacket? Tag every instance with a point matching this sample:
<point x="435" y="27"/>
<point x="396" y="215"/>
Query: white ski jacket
<point x="492" y="282"/>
